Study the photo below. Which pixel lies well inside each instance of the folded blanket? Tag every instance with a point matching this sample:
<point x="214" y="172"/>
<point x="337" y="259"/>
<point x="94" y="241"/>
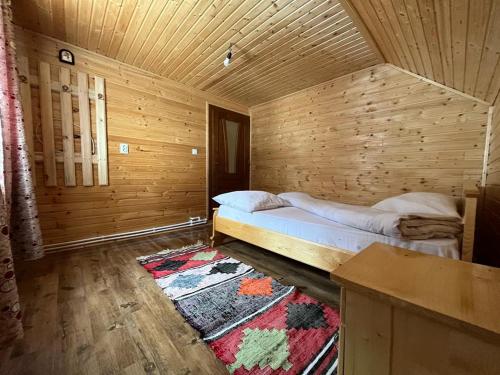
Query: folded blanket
<point x="393" y="224"/>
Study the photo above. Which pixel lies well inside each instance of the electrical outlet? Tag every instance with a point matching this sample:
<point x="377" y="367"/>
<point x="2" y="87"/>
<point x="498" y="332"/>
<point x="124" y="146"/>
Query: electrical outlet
<point x="194" y="151"/>
<point x="123" y="148"/>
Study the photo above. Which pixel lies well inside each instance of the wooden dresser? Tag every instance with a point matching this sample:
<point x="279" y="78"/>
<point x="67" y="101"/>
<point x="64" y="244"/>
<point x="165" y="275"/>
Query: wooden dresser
<point x="413" y="314"/>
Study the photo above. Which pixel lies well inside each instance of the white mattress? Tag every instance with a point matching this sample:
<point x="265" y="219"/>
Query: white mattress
<point x="302" y="224"/>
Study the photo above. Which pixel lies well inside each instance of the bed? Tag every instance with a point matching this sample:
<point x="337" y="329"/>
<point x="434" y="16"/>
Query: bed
<point x="325" y="244"/>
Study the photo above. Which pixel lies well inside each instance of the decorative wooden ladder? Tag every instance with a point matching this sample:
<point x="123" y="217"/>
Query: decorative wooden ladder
<point x="65" y="90"/>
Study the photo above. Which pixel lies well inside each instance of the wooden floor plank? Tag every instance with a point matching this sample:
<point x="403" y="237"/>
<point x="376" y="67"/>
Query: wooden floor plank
<point x="96" y="311"/>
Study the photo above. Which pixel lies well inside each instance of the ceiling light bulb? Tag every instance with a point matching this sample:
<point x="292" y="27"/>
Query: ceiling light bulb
<point x="227" y="60"/>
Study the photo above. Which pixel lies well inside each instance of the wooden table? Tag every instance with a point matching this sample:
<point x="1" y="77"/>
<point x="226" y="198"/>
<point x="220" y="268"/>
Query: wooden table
<point x="408" y="313"/>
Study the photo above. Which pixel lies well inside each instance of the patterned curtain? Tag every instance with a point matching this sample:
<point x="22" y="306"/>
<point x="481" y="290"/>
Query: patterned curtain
<point x="18" y="210"/>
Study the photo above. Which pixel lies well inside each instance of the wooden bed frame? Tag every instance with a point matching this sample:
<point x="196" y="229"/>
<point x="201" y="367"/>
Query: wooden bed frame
<point x="326" y="258"/>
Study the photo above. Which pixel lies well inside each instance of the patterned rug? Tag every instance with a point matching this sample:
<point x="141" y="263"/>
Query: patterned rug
<point x="254" y="324"/>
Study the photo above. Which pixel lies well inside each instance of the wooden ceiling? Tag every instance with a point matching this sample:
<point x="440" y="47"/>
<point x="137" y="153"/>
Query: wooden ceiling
<point x="453" y="42"/>
<point x="280" y="46"/>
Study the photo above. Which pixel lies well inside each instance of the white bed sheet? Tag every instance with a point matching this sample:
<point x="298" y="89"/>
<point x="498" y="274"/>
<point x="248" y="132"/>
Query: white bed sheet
<point x="302" y="224"/>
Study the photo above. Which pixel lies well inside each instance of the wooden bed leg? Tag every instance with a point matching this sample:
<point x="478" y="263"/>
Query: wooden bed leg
<point x="216" y="237"/>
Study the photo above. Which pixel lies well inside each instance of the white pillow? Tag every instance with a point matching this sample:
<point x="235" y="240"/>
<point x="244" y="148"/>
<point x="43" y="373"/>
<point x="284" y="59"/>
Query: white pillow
<point x="293" y="197"/>
<point x="434" y="204"/>
<point x="250" y="200"/>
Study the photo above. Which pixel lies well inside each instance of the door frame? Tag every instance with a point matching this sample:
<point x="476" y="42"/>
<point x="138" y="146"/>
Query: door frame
<point x="207" y="146"/>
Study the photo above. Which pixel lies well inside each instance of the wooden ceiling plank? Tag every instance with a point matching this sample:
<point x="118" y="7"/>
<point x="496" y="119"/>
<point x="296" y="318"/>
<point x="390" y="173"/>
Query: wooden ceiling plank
<point x="282" y="61"/>
<point x="360" y="25"/>
<point x="134" y="24"/>
<point x="99" y="10"/>
<point x="400" y="26"/>
<point x="58" y="19"/>
<point x="305" y="32"/>
<point x="285" y="90"/>
<point x="191" y="45"/>
<point x="490" y="55"/>
<point x="479" y="17"/>
<point x="419" y="33"/>
<point x="326" y="49"/>
<point x="84" y="17"/>
<point x="358" y="56"/>
<point x="27" y="15"/>
<point x="459" y="16"/>
<point x="394" y="36"/>
<point x="443" y="20"/>
<point x="285" y="62"/>
<point x="153" y="15"/>
<point x="428" y="17"/>
<point x="305" y="63"/>
<point x="170" y="23"/>
<point x="369" y="16"/>
<point x="197" y="16"/>
<point x="302" y="30"/>
<point x="283" y="24"/>
<point x="223" y="33"/>
<point x="255" y="98"/>
<point x="223" y="13"/>
<point x="401" y="16"/>
<point x="70" y="20"/>
<point x="248" y="33"/>
<point x="45" y="17"/>
<point x="108" y="26"/>
<point x="494" y="89"/>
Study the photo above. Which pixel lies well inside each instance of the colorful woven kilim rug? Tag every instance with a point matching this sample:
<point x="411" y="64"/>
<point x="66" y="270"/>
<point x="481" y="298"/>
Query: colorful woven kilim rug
<point x="254" y="324"/>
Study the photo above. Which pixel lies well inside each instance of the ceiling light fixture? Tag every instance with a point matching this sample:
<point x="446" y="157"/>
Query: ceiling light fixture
<point x="229" y="56"/>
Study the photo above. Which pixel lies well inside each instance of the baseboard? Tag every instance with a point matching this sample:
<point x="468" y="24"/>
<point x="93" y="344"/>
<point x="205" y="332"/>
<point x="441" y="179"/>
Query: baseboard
<point x="63" y="246"/>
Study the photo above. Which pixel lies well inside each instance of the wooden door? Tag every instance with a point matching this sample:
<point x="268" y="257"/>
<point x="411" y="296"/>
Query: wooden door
<point x="229" y="152"/>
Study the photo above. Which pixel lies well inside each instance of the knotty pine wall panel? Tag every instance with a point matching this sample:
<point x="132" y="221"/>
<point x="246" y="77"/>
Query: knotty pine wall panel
<point x="369" y="135"/>
<point x="159" y="182"/>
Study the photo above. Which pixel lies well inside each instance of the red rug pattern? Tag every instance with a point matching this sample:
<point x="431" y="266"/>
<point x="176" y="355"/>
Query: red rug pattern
<point x="254" y="324"/>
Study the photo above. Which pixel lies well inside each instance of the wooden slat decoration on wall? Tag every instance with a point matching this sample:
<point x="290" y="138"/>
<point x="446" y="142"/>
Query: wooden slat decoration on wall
<point x="102" y="142"/>
<point x="25" y="90"/>
<point x="67" y="127"/>
<point x="85" y="129"/>
<point x="49" y="93"/>
<point x="369" y="135"/>
<point x="47" y="120"/>
<point x="159" y="182"/>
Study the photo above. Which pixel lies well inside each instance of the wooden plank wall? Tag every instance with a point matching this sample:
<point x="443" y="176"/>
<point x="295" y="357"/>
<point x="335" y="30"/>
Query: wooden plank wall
<point x="367" y="136"/>
<point x="158" y="183"/>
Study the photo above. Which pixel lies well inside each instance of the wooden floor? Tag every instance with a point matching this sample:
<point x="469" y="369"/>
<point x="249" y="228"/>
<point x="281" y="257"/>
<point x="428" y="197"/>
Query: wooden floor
<point x="96" y="311"/>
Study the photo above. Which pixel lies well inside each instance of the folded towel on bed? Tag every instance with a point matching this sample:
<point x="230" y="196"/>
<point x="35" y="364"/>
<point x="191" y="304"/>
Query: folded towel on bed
<point x="406" y="226"/>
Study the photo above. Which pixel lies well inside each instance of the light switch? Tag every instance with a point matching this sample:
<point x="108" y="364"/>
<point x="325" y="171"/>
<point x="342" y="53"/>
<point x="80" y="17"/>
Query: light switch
<point x="123" y="148"/>
<point x="194" y="151"/>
